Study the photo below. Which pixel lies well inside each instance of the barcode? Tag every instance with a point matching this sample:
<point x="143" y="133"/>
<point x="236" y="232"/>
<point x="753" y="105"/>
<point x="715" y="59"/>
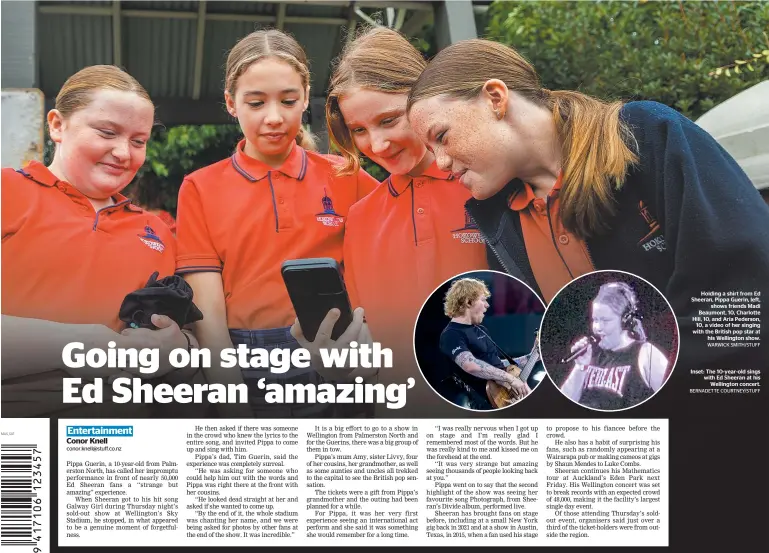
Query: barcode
<point x="21" y="477"/>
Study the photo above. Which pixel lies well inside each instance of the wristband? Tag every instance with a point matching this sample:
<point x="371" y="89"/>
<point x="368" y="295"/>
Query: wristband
<point x="189" y="350"/>
<point x="189" y="342"/>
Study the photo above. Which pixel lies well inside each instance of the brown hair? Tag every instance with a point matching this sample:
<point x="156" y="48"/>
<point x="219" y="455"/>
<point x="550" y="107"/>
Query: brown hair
<point x="263" y="44"/>
<point x="596" y="144"/>
<point x="378" y="59"/>
<point x="76" y="92"/>
<point x="462" y="293"/>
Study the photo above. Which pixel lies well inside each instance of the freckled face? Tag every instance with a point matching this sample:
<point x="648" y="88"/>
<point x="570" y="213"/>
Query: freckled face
<point x="468" y="140"/>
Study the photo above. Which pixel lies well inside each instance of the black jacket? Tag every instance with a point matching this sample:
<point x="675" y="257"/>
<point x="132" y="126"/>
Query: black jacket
<point x="688" y="220"/>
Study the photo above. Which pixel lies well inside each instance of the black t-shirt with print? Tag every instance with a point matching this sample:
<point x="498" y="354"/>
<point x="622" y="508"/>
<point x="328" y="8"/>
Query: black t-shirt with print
<point x="457" y="338"/>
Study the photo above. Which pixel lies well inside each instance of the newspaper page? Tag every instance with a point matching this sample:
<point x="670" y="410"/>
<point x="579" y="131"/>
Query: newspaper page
<point x="374" y="274"/>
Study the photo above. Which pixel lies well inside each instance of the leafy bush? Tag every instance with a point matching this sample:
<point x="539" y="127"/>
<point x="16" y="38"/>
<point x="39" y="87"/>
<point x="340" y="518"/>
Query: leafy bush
<point x="175" y="152"/>
<point x="171" y="154"/>
<point x="662" y="51"/>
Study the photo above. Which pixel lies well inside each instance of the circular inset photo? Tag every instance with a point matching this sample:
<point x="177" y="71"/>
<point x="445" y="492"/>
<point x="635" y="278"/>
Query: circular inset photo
<point x="609" y="340"/>
<point x="475" y="340"/>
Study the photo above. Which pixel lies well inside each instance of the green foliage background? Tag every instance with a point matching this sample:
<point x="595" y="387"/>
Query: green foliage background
<point x="176" y="152"/>
<point x="663" y="51"/>
<point x="171" y="154"/>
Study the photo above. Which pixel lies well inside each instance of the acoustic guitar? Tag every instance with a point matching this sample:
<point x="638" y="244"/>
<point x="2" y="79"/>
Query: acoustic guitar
<point x="499" y="396"/>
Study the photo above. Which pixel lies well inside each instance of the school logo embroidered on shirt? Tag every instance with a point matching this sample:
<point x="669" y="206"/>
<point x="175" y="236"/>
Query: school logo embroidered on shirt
<point x="152" y="240"/>
<point x="328" y="217"/>
<point x="469" y="234"/>
<point x="651" y="242"/>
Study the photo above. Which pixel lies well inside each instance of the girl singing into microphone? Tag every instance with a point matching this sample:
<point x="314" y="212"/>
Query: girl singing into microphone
<point x="624" y="369"/>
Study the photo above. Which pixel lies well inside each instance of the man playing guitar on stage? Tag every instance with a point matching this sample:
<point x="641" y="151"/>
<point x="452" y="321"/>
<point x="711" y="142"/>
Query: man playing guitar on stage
<point x="471" y="348"/>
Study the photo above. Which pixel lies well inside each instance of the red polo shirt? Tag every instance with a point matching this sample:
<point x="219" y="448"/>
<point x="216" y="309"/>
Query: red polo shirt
<point x="65" y="262"/>
<point x="243" y="218"/>
<point x="556" y="255"/>
<point x="403" y="240"/>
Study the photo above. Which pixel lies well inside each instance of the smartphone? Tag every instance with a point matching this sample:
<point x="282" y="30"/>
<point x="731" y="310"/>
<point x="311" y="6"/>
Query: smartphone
<point x="316" y="286"/>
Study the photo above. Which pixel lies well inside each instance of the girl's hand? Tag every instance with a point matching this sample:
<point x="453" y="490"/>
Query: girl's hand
<point x="357" y="331"/>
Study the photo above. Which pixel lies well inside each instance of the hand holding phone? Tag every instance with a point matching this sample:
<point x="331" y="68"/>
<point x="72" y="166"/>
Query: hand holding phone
<point x="324" y="317"/>
<point x="357" y="331"/>
<point x="315" y="287"/>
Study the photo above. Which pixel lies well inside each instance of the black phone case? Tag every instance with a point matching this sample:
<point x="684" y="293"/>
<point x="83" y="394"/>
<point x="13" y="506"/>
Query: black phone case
<point x="316" y="286"/>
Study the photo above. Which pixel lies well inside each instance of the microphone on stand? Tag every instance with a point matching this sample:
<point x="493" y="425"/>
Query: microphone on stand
<point x="591" y="341"/>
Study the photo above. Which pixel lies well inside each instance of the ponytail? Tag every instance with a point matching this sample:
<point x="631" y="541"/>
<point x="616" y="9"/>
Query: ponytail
<point x="306" y="139"/>
<point x="596" y="157"/>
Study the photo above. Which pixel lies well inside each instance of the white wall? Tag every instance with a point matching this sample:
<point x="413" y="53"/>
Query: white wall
<point x="741" y="126"/>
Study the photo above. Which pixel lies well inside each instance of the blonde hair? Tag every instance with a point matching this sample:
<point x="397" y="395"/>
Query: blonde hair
<point x="596" y="144"/>
<point x="378" y="59"/>
<point x="462" y="293"/>
<point x="621" y="299"/>
<point x="264" y="44"/>
<point x="77" y="91"/>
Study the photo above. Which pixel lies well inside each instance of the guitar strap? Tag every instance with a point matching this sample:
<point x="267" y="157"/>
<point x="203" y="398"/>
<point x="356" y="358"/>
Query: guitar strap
<point x="499" y="349"/>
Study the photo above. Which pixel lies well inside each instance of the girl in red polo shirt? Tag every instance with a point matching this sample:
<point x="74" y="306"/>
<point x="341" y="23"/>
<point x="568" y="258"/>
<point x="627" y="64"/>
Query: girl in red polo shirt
<point x="274" y="199"/>
<point x="411" y="233"/>
<point x="73" y="246"/>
